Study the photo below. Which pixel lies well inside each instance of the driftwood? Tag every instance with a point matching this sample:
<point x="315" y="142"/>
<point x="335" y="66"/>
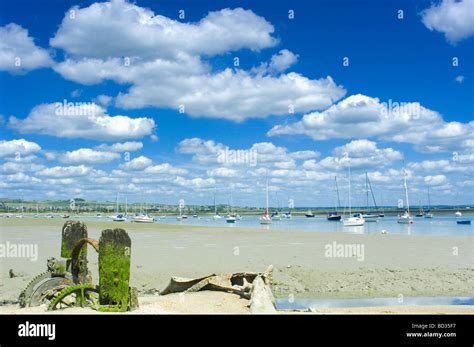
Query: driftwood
<point x="255" y="286"/>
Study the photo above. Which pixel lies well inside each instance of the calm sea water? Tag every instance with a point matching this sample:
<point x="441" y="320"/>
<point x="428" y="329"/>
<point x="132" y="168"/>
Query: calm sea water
<point x="441" y="224"/>
<point x="301" y="304"/>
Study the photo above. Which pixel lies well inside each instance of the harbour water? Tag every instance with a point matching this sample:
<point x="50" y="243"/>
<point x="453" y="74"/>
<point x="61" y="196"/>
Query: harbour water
<point x="442" y="224"/>
<point x="302" y="304"/>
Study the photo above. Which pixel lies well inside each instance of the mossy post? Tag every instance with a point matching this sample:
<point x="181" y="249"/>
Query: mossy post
<point x="72" y="232"/>
<point x="114" y="268"/>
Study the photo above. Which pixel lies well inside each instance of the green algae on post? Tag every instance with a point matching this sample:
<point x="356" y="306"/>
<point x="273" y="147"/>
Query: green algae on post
<point x="72" y="232"/>
<point x="114" y="269"/>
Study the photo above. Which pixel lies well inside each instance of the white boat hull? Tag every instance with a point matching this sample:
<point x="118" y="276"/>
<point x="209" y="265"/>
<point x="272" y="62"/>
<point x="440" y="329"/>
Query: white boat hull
<point x="353" y="222"/>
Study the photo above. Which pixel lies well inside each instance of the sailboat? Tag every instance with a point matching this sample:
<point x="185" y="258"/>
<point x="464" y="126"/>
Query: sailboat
<point x="405" y="218"/>
<point x="143" y="217"/>
<point x="118" y="217"/>
<point x="352" y="221"/>
<point x="265" y="218"/>
<point x="421" y="212"/>
<point x="370" y="217"/>
<point x="428" y="213"/>
<point x="333" y="216"/>
<point x="231" y="217"/>
<point x="181" y="215"/>
<point x="216" y="214"/>
<point x="309" y="214"/>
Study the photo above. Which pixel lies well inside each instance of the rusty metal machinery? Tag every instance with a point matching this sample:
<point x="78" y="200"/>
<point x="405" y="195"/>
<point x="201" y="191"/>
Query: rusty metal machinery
<point x="68" y="282"/>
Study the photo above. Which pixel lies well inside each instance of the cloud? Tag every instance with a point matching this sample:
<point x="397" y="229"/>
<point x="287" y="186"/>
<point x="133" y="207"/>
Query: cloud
<point x="363" y="154"/>
<point x="129" y="146"/>
<point x="117" y="41"/>
<point x="435" y="180"/>
<point x="452" y="17"/>
<point x="88" y="121"/>
<point x="138" y="163"/>
<point x="442" y="165"/>
<point x="278" y="63"/>
<point x="165" y="168"/>
<point x="360" y="116"/>
<point x="119" y="28"/>
<point x="65" y="171"/>
<point x="222" y="172"/>
<point x="103" y="100"/>
<point x="18" y="52"/>
<point x="197" y="182"/>
<point x="21" y="146"/>
<point x="88" y="156"/>
<point x="208" y="152"/>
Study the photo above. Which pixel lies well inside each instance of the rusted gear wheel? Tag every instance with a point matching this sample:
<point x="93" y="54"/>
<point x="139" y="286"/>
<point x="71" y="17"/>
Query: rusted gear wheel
<point x="76" y="295"/>
<point x="34" y="293"/>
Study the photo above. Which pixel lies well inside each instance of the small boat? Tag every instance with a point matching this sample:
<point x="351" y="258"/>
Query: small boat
<point x="181" y="215"/>
<point x="265" y="218"/>
<point x="381" y="215"/>
<point x="405" y="218"/>
<point x="287" y="215"/>
<point x="276" y="216"/>
<point x="428" y="213"/>
<point x="464" y="222"/>
<point x="216" y="214"/>
<point x="195" y="216"/>
<point x="421" y="212"/>
<point x="119" y="218"/>
<point x="309" y="214"/>
<point x="369" y="217"/>
<point x="231" y="219"/>
<point x="458" y="214"/>
<point x="333" y="216"/>
<point x="353" y="222"/>
<point x="143" y="218"/>
<point x="65" y="216"/>
<point x="357" y="219"/>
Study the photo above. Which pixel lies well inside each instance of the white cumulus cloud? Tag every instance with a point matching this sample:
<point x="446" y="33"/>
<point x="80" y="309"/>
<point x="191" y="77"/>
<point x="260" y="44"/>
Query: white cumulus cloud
<point x="454" y="18"/>
<point x="18" y="52"/>
<point x="91" y="122"/>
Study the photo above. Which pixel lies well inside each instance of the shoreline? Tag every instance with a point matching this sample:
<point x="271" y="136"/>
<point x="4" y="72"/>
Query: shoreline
<point x="410" y="265"/>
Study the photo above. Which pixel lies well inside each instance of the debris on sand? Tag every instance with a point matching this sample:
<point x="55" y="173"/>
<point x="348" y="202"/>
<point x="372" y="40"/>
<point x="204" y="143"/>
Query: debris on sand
<point x="255" y="286"/>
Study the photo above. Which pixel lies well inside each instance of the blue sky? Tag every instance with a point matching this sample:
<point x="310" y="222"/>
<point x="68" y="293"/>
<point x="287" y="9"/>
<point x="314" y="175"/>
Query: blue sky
<point x="157" y="153"/>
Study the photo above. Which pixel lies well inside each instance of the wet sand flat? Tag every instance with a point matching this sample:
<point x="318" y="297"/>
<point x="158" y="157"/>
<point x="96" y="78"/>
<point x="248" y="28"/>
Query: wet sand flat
<point x="391" y="264"/>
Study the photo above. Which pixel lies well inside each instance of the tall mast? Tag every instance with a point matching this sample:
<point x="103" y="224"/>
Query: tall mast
<point x="406" y="190"/>
<point x="367" y="189"/>
<point x="215" y="207"/>
<point x="429" y="199"/>
<point x="350" y="202"/>
<point x="117" y="203"/>
<point x="267" y="197"/>
<point x="372" y="192"/>
<point x="337" y="193"/>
